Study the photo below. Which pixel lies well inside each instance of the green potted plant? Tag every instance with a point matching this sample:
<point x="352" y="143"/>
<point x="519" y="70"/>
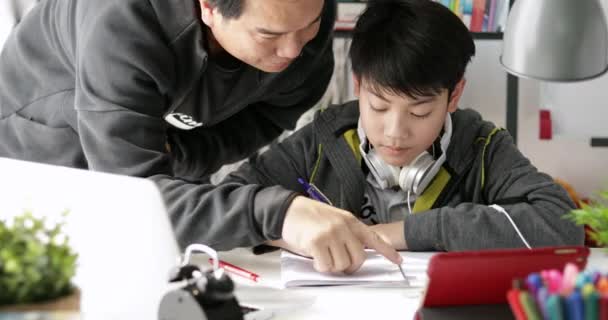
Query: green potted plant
<point x="595" y="216"/>
<point x="36" y="266"/>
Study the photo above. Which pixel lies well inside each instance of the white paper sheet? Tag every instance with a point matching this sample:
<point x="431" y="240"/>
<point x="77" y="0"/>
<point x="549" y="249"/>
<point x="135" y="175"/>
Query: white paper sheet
<point x="376" y="271"/>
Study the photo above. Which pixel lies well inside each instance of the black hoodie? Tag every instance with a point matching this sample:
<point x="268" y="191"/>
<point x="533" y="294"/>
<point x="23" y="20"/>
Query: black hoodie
<point x="90" y="84"/>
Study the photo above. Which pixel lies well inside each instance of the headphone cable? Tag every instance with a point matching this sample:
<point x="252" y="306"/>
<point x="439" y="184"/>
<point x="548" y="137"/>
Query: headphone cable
<point x="409" y="204"/>
<point x="503" y="211"/>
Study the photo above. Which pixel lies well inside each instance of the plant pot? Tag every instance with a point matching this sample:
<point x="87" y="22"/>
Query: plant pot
<point x="70" y="303"/>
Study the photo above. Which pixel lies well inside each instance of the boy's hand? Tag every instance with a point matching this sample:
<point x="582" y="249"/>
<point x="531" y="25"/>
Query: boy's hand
<point x="391" y="233"/>
<point x="334" y="238"/>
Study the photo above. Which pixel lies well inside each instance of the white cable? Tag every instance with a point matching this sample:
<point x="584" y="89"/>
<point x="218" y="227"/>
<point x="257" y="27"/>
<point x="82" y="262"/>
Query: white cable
<point x="501" y="209"/>
<point x="196" y="247"/>
<point x="409" y="204"/>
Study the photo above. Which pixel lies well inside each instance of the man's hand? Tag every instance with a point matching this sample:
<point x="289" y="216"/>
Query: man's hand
<point x="391" y="233"/>
<point x="333" y="237"/>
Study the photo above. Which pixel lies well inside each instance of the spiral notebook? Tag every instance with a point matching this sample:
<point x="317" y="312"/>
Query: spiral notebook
<point x="376" y="271"/>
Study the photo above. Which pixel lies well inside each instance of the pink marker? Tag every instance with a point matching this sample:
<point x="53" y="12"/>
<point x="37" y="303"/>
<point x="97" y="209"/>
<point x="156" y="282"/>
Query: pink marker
<point x="569" y="279"/>
<point x="554" y="281"/>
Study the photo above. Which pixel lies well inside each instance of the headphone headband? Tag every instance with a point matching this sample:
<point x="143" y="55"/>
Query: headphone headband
<point x="414" y="177"/>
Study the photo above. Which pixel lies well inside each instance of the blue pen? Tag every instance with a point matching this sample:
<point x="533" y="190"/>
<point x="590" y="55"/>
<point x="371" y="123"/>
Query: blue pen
<point x="314" y="192"/>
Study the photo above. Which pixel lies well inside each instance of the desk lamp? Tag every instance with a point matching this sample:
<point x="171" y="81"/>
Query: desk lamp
<point x="556" y="40"/>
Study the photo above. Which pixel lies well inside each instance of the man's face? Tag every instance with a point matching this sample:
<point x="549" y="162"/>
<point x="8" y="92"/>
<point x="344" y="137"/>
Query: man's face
<point x="399" y="127"/>
<point x="269" y="34"/>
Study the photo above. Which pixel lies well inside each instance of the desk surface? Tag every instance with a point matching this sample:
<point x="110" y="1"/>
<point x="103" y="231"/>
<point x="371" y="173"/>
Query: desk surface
<point x="336" y="302"/>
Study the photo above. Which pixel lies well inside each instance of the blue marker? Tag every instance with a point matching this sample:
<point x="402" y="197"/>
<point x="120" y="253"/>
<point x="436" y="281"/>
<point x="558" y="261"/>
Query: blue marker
<point x="534" y="282"/>
<point x="575" y="308"/>
<point x="314" y="192"/>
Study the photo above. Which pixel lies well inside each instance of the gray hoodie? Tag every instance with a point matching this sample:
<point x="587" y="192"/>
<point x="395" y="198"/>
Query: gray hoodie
<point x="483" y="171"/>
<point x="89" y="84"/>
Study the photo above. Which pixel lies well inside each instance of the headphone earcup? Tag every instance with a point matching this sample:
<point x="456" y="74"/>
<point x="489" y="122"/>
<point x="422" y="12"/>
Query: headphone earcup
<point x="386" y="175"/>
<point x="412" y="175"/>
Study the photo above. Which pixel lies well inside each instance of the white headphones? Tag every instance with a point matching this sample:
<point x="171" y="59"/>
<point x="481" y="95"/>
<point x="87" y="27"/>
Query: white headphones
<point x="414" y="177"/>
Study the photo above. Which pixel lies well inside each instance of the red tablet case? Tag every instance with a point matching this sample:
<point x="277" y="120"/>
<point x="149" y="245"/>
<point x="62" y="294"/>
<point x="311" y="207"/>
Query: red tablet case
<point x="483" y="277"/>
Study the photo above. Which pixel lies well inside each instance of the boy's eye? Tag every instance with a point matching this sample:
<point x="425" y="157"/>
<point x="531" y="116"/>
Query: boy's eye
<point x="377" y="109"/>
<point x="421" y="116"/>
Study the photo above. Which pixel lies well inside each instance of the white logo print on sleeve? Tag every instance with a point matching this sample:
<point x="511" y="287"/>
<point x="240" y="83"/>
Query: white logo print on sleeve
<point x="182" y="121"/>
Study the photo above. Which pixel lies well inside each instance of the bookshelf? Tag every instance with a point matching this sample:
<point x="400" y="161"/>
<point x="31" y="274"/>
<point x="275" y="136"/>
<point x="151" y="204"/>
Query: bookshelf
<point x="348" y="10"/>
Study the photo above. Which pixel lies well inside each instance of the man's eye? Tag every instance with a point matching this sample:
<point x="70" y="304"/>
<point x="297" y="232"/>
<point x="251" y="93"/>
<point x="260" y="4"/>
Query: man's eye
<point x="268" y="36"/>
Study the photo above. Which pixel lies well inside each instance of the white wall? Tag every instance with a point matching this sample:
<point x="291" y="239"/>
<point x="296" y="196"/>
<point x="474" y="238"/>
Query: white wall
<point x="486" y="87"/>
<point x="566" y="156"/>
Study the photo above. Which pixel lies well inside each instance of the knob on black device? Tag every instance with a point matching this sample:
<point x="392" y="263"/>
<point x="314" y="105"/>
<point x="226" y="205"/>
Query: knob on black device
<point x="205" y="296"/>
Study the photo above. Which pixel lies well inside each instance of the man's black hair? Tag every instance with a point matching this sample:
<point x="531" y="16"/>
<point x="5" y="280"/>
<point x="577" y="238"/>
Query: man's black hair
<point x="229" y="8"/>
<point x="410" y="47"/>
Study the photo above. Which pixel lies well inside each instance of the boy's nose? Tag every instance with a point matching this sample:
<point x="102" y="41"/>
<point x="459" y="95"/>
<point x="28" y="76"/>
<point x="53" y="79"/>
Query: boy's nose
<point x="396" y="128"/>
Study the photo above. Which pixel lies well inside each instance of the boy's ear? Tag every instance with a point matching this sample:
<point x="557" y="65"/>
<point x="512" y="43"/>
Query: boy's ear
<point x="456" y="94"/>
<point x="356" y="86"/>
<point x="207" y="13"/>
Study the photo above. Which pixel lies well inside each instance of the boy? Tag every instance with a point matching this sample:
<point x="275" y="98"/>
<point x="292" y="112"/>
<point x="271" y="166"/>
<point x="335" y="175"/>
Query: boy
<point x="404" y="160"/>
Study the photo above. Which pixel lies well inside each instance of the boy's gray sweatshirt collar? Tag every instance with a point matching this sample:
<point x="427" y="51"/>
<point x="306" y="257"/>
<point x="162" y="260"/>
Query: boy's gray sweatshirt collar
<point x="332" y="124"/>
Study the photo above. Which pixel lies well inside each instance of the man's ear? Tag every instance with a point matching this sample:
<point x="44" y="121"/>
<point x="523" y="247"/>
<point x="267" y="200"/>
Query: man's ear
<point x="456" y="94"/>
<point x="356" y="85"/>
<point x="207" y="13"/>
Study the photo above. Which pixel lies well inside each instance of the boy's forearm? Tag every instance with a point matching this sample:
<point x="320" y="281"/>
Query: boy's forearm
<point x="470" y="226"/>
<point x="392" y="233"/>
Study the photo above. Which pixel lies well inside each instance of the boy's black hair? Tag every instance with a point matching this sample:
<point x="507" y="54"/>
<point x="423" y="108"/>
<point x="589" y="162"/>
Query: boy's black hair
<point x="228" y="8"/>
<point x="411" y="47"/>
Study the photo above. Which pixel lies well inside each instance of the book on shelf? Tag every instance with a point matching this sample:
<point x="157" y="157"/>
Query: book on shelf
<point x="480" y="15"/>
<point x="478" y="12"/>
<point x="347" y="15"/>
<point x="467" y="13"/>
<point x="477" y="15"/>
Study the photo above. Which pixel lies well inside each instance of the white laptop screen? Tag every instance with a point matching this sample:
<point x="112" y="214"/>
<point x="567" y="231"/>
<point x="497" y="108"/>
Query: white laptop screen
<point x="118" y="225"/>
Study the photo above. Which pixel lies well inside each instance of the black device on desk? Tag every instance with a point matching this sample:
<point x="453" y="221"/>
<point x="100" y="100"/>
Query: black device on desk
<point x="205" y="296"/>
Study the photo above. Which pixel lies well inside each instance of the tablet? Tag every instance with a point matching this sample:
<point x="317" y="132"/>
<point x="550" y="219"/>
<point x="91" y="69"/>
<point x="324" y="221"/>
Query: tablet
<point x="484" y="277"/>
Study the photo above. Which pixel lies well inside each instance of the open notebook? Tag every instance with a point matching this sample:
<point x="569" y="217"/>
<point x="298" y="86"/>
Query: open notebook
<point x="376" y="271"/>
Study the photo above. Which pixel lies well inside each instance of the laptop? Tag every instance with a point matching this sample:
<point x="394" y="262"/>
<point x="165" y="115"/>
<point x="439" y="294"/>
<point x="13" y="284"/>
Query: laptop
<point x="117" y="224"/>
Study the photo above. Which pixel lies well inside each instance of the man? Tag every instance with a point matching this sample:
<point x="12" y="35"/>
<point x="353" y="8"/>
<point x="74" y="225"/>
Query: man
<point x="169" y="90"/>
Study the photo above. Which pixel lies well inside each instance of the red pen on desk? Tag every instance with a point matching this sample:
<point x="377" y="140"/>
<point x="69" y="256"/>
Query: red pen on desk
<point x="236" y="270"/>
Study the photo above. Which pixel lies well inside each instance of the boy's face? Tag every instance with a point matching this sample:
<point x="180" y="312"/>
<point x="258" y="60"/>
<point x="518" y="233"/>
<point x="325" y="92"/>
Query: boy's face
<point x="269" y="34"/>
<point x="399" y="127"/>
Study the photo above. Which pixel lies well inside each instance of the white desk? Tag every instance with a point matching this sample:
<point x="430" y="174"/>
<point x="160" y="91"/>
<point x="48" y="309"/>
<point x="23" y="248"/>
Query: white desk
<point x="341" y="302"/>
